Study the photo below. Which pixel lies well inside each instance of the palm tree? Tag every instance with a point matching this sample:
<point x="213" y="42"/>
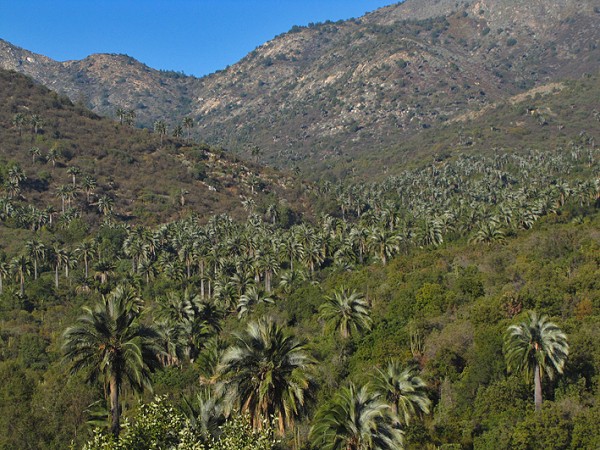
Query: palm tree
<point x="160" y="128"/>
<point x="16" y="175"/>
<point x="36" y="123"/>
<point x="188" y="124"/>
<point x="384" y="243"/>
<point x="536" y="347"/>
<point x="272" y="213"/>
<point x="256" y="152"/>
<point x="130" y="117"/>
<point x="403" y="389"/>
<point x="177" y="131"/>
<point x="250" y="299"/>
<point x="70" y="262"/>
<point x="35" y="250"/>
<point x="356" y="419"/>
<point x="86" y="250"/>
<point x="59" y="258"/>
<point x="291" y="278"/>
<point x="63" y="191"/>
<point x="109" y="342"/>
<point x="53" y="155"/>
<point x="4" y="272"/>
<point x="488" y="232"/>
<point x="74" y="171"/>
<point x="20" y="266"/>
<point x="18" y="121"/>
<point x="121" y="114"/>
<point x="348" y="311"/>
<point x="103" y="270"/>
<point x="105" y="205"/>
<point x="35" y="153"/>
<point x="265" y="374"/>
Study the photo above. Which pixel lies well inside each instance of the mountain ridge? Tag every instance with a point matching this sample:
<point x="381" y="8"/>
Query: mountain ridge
<point x="318" y="94"/>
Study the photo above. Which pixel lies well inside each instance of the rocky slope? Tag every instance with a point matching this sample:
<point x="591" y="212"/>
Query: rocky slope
<point x="322" y="93"/>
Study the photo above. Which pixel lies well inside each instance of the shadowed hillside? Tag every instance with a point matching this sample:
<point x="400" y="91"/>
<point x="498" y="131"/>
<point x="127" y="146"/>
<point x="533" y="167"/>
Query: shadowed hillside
<point x="58" y="156"/>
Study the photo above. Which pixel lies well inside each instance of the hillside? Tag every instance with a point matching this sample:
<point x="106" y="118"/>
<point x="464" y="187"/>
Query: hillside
<point x="441" y="260"/>
<point x="319" y="94"/>
<point x="57" y="155"/>
<point x="562" y="115"/>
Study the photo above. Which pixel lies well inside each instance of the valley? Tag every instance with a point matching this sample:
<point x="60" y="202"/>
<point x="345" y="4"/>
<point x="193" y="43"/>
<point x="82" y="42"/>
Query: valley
<point x="379" y="233"/>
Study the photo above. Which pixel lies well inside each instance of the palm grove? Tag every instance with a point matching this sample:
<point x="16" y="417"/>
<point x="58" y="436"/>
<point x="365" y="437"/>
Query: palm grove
<point x="357" y="329"/>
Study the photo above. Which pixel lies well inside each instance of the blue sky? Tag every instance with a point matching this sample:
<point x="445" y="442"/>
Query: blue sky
<point x="193" y="36"/>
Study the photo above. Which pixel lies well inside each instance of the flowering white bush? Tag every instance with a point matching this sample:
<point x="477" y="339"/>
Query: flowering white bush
<point x="159" y="426"/>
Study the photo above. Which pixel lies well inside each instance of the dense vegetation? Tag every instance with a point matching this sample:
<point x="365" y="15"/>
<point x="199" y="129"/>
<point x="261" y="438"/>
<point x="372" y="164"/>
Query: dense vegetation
<point x="156" y="290"/>
<point x="384" y="321"/>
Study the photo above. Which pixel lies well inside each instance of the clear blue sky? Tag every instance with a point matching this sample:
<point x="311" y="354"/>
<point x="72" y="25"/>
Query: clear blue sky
<point x="193" y="36"/>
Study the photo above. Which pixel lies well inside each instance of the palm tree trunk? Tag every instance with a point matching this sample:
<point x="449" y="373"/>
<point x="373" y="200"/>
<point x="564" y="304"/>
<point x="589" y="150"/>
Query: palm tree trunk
<point x="115" y="427"/>
<point x="537" y="394"/>
<point x="202" y="279"/>
<point x="268" y="281"/>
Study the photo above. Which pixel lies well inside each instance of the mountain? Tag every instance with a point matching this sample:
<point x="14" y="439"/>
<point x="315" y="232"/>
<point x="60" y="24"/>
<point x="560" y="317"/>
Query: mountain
<point x="104" y="82"/>
<point x="328" y="92"/>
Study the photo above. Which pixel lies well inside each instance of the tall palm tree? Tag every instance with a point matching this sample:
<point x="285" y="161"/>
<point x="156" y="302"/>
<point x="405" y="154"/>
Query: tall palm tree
<point x="384" y="243"/>
<point x="121" y="114"/>
<point x="89" y="184"/>
<point x="103" y="270"/>
<point x="160" y="128"/>
<point x="105" y="205"/>
<point x="177" y="131"/>
<point x="19" y="121"/>
<point x="53" y="154"/>
<point x="86" y="250"/>
<point x="348" y="311"/>
<point x="536" y="347"/>
<point x="20" y="266"/>
<point x="36" y="124"/>
<point x="74" y="171"/>
<point x="130" y="117"/>
<point x="403" y="389"/>
<point x="36" y="250"/>
<point x="70" y="262"/>
<point x="63" y="191"/>
<point x="4" y="272"/>
<point x="59" y="257"/>
<point x="265" y="374"/>
<point x="109" y="342"/>
<point x="35" y="153"/>
<point x="356" y="419"/>
<point x="188" y="124"/>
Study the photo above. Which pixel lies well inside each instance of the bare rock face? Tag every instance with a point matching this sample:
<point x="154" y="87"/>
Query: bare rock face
<point x="340" y="89"/>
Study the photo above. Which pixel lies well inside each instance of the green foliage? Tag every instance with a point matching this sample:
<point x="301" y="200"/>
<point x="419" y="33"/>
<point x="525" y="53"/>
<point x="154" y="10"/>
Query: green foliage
<point x="16" y="422"/>
<point x="355" y="419"/>
<point x="431" y="295"/>
<point x="158" y="425"/>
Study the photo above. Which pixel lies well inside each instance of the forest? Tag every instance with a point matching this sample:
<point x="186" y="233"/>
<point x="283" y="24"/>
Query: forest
<point x="452" y="305"/>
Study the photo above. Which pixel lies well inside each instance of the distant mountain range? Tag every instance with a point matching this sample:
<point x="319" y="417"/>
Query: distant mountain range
<point x="318" y="95"/>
